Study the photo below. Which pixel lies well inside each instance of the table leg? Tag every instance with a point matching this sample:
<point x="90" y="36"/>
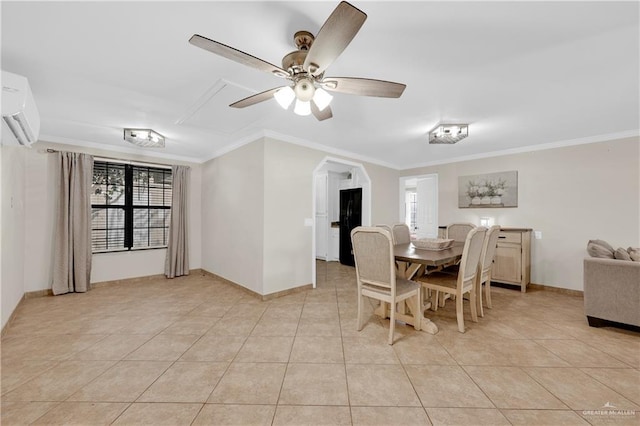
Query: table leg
<point x="382" y="310"/>
<point x="428" y="326"/>
<point x="403" y="270"/>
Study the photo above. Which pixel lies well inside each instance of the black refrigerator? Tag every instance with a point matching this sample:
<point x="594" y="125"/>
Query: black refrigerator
<point x="350" y="217"/>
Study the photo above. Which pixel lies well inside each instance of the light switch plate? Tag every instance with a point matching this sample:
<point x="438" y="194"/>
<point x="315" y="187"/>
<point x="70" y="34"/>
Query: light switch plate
<point x="537" y="235"/>
<point x="308" y="221"/>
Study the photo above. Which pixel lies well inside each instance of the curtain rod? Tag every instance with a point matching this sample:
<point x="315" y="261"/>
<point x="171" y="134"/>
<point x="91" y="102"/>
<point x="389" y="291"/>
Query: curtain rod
<point x="162" y="165"/>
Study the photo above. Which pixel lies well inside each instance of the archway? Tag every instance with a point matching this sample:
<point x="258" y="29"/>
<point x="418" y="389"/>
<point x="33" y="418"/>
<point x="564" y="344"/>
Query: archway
<point x="337" y="174"/>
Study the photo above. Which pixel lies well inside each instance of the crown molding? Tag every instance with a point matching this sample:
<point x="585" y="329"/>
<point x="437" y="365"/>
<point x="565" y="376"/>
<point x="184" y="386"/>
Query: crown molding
<point x="531" y="148"/>
<point x="123" y="150"/>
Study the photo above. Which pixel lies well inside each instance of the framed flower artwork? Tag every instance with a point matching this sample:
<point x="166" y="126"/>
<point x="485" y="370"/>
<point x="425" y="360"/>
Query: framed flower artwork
<point x="488" y="190"/>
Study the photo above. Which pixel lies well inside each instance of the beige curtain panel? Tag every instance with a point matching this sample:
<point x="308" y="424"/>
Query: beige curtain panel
<point x="177" y="260"/>
<point x="72" y="257"/>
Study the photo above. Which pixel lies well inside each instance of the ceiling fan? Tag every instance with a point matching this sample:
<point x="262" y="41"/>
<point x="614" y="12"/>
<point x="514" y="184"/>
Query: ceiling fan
<point x="305" y="67"/>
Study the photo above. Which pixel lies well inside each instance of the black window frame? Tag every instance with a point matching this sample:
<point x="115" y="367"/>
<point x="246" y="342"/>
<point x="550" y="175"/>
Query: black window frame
<point x="129" y="207"/>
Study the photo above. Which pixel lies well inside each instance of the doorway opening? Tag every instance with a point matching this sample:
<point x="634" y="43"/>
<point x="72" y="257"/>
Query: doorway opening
<point x="419" y="205"/>
<point x="330" y="177"/>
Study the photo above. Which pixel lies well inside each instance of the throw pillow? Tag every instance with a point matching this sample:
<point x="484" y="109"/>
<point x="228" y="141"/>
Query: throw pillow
<point x="599" y="248"/>
<point x="634" y="253"/>
<point x="621" y="254"/>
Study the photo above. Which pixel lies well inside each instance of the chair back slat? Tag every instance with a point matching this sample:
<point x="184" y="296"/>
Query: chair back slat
<point x="373" y="253"/>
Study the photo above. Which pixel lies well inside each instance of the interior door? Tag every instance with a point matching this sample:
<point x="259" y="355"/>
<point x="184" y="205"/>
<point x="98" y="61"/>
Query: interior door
<point x="427" y="207"/>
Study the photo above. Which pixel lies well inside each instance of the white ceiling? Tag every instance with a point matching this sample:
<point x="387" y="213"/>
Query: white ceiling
<point x="523" y="74"/>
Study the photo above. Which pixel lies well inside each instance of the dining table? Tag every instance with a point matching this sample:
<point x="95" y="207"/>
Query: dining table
<point x="412" y="261"/>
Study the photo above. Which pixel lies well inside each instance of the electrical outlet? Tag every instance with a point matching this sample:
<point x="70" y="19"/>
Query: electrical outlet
<point x="537" y="235"/>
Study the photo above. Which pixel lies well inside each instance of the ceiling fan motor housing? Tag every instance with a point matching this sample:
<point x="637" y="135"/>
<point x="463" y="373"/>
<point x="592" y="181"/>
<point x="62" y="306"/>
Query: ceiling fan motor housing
<point x="293" y="61"/>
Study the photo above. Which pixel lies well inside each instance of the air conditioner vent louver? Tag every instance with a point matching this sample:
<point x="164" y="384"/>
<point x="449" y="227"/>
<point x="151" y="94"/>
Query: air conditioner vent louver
<point x="19" y="111"/>
<point x="20" y="128"/>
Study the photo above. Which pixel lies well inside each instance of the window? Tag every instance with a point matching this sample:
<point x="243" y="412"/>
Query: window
<point x="411" y="209"/>
<point x="130" y="207"/>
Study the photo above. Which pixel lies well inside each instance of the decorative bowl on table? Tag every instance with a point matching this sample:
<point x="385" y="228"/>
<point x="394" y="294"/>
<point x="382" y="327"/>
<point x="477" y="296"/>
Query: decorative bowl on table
<point x="432" y="243"/>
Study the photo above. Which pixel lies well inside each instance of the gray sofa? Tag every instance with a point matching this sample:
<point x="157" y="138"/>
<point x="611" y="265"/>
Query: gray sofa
<point x="611" y="291"/>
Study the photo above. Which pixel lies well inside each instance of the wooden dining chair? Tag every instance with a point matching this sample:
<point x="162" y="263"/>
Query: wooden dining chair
<point x="401" y="233"/>
<point x="462" y="283"/>
<point x="388" y="228"/>
<point x="485" y="267"/>
<point x="459" y="231"/>
<point x="376" y="275"/>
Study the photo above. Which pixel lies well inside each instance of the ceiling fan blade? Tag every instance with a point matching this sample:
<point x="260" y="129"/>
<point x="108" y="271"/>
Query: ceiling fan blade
<point x="335" y="35"/>
<point x="363" y="86"/>
<point x="321" y="115"/>
<point x="255" y="99"/>
<point x="236" y="55"/>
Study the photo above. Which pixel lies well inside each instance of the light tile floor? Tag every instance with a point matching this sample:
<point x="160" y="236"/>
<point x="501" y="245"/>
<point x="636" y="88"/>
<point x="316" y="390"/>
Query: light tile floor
<point x="195" y="350"/>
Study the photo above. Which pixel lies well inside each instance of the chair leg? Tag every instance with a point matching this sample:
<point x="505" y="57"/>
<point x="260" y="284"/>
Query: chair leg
<point x="460" y="314"/>
<point x="392" y="322"/>
<point x="434" y="300"/>
<point x="474" y="305"/>
<point x="487" y="292"/>
<point x="479" y="300"/>
<point x="442" y="298"/>
<point x="360" y="301"/>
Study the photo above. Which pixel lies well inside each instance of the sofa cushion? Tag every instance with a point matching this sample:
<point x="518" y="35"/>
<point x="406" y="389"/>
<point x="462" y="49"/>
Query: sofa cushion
<point x="634" y="253"/>
<point x="621" y="254"/>
<point x="599" y="248"/>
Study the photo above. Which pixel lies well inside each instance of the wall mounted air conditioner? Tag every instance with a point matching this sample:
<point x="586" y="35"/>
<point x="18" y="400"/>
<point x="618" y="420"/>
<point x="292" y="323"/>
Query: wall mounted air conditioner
<point x="19" y="111"/>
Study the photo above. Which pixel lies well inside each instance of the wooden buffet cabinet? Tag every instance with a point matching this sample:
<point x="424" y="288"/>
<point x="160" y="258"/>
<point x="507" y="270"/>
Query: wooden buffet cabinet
<point x="512" y="263"/>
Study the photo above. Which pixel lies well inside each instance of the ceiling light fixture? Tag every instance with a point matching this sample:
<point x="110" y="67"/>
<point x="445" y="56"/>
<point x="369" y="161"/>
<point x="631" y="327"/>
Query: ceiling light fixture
<point x="285" y="96"/>
<point x="448" y="133"/>
<point x="145" y="138"/>
<point x="322" y="98"/>
<point x="302" y="107"/>
<point x="303" y="92"/>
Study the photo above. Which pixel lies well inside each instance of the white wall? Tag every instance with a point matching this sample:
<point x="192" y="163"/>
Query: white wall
<point x="266" y="187"/>
<point x="288" y="178"/>
<point x="12" y="258"/>
<point x="233" y="216"/>
<point x="40" y="216"/>
<point x="571" y="194"/>
<point x="288" y="201"/>
<point x="384" y="193"/>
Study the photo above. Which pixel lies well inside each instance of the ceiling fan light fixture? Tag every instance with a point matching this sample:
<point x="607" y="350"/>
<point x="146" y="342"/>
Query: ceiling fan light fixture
<point x="448" y="133"/>
<point x="302" y="107"/>
<point x="321" y="98"/>
<point x="304" y="89"/>
<point x="145" y="138"/>
<point x="306" y="66"/>
<point x="285" y="97"/>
